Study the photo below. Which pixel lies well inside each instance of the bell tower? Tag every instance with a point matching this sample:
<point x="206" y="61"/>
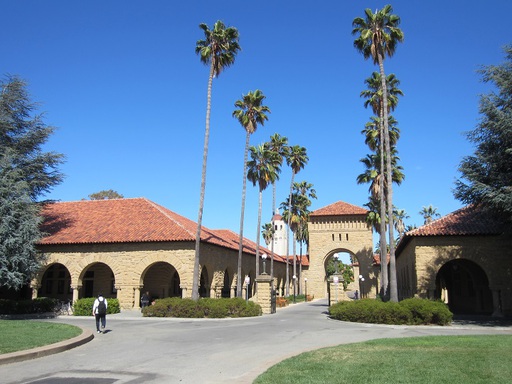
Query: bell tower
<point x="280" y="234"/>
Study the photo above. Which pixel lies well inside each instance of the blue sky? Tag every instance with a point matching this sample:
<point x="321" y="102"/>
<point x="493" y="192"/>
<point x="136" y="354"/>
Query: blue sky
<point x="121" y="82"/>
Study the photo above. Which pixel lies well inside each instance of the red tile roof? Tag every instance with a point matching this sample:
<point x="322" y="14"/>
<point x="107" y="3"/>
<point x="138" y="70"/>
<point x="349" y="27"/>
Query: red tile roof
<point x="127" y="221"/>
<point x="467" y="221"/>
<point x="339" y="208"/>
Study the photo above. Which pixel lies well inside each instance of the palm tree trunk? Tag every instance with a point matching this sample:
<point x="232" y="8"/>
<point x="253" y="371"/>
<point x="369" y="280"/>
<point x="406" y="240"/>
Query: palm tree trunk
<point x="258" y="234"/>
<point x="195" y="277"/>
<point x="241" y="237"/>
<point x="287" y="293"/>
<point x="382" y="213"/>
<point x="273" y="229"/>
<point x="393" y="290"/>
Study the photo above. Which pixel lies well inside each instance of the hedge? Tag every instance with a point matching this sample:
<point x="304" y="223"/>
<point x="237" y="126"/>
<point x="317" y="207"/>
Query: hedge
<point x="411" y="311"/>
<point x="83" y="307"/>
<point x="202" y="308"/>
<point x="21" y="307"/>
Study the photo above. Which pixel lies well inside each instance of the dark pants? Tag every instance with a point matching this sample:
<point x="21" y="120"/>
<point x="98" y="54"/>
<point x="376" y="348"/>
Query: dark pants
<point x="103" y="319"/>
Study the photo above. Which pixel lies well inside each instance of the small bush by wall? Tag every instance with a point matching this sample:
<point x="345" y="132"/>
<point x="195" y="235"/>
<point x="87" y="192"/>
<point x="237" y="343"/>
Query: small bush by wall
<point x="22" y="307"/>
<point x="209" y="308"/>
<point x="83" y="307"/>
<point x="410" y="311"/>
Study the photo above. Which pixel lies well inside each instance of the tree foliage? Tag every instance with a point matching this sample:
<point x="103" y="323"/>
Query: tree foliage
<point x="26" y="173"/>
<point x="487" y="174"/>
<point x="105" y="195"/>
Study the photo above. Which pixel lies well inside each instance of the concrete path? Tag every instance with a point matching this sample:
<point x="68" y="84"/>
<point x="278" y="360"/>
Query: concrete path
<point x="154" y="350"/>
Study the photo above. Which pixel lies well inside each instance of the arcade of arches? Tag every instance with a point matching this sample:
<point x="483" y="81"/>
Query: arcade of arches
<point x="470" y="272"/>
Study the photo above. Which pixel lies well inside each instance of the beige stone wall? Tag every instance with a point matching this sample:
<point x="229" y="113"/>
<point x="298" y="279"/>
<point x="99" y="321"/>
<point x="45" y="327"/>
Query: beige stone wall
<point x="127" y="265"/>
<point x="332" y="234"/>
<point x="423" y="257"/>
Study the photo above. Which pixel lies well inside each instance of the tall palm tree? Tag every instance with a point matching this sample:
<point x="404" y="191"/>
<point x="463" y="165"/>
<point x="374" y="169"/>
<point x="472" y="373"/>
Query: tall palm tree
<point x="267" y="233"/>
<point x="429" y="213"/>
<point x="263" y="169"/>
<point x="307" y="192"/>
<point x="400" y="216"/>
<point x="296" y="158"/>
<point x="249" y="114"/>
<point x="377" y="38"/>
<point x="218" y="50"/>
<point x="279" y="145"/>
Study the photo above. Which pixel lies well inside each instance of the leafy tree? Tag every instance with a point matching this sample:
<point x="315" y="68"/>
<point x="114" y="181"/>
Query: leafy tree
<point x="105" y="195"/>
<point x="249" y="114"/>
<point x="263" y="169"/>
<point x="218" y="50"/>
<point x="26" y="173"/>
<point x="346" y="271"/>
<point x="487" y="174"/>
<point x="377" y="37"/>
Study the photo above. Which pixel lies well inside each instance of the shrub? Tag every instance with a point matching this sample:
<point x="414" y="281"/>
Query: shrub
<point x="206" y="307"/>
<point x="83" y="307"/>
<point x="21" y="307"/>
<point x="411" y="311"/>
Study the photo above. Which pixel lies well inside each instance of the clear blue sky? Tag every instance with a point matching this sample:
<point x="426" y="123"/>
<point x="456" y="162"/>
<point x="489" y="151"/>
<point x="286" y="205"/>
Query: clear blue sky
<point x="122" y="83"/>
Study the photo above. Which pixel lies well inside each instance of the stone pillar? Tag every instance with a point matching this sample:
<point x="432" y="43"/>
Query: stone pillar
<point x="264" y="297"/>
<point x="76" y="291"/>
<point x="336" y="289"/>
<point x="136" y="295"/>
<point x="186" y="291"/>
<point x="35" y="288"/>
<point x="496" y="301"/>
<point x="232" y="291"/>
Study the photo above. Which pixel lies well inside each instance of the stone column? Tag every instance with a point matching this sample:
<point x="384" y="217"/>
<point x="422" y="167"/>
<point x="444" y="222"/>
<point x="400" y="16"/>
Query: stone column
<point x="496" y="301"/>
<point x="336" y="289"/>
<point x="232" y="291"/>
<point x="136" y="294"/>
<point x="35" y="288"/>
<point x="264" y="296"/>
<point x="76" y="290"/>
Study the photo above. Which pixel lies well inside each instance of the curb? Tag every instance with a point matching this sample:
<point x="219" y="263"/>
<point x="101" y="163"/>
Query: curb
<point x="46" y="350"/>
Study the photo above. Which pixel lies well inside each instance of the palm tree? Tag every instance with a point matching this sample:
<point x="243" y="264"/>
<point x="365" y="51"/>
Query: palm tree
<point x="279" y="145"/>
<point x="296" y="158"/>
<point x="400" y="216"/>
<point x="267" y="233"/>
<point x="249" y="114"/>
<point x="263" y="169"/>
<point x="307" y="192"/>
<point x="378" y="36"/>
<point x="218" y="50"/>
<point x="429" y="213"/>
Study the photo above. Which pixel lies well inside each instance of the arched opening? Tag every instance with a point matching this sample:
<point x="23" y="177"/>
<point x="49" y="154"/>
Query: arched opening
<point x="346" y="266"/>
<point x="226" y="286"/>
<point x="204" y="284"/>
<point x="98" y="278"/>
<point x="56" y="283"/>
<point x="463" y="285"/>
<point x="161" y="280"/>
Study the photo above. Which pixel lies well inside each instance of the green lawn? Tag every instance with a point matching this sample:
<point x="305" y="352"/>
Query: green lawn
<point x="17" y="335"/>
<point x="433" y="359"/>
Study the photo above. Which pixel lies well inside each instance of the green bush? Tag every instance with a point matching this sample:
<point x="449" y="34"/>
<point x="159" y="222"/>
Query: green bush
<point x="21" y="307"/>
<point x="411" y="311"/>
<point x="206" y="307"/>
<point x="83" y="307"/>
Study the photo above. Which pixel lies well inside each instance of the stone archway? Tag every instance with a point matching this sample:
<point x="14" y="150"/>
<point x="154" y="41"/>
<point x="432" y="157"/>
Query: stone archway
<point x="56" y="283"/>
<point x="161" y="280"/>
<point x="97" y="278"/>
<point x="464" y="286"/>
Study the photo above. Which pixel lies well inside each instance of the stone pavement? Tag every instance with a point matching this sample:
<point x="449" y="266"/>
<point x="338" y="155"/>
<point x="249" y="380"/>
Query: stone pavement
<point x="155" y="350"/>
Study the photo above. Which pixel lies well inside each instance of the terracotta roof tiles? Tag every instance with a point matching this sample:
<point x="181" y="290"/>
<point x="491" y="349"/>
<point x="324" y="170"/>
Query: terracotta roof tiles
<point x="339" y="208"/>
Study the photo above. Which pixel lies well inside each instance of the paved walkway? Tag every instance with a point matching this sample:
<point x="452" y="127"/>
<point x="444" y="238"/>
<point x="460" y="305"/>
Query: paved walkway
<point x="154" y="350"/>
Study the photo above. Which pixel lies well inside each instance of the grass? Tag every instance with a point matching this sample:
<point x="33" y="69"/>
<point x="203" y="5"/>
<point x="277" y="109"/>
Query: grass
<point x="433" y="359"/>
<point x="18" y="335"/>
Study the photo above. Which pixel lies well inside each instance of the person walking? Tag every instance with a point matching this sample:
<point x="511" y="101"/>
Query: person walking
<point x="99" y="311"/>
<point x="145" y="299"/>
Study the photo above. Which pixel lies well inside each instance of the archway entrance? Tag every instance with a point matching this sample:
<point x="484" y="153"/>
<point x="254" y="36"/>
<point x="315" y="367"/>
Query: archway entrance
<point x="56" y="283"/>
<point x="345" y="265"/>
<point x="161" y="280"/>
<point x="463" y="285"/>
<point x="98" y="278"/>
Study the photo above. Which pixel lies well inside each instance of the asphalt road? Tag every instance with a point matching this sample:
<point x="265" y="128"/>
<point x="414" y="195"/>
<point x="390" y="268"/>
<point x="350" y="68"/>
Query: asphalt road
<point x="154" y="350"/>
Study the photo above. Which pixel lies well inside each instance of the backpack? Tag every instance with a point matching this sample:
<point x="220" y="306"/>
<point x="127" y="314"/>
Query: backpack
<point x="102" y="308"/>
